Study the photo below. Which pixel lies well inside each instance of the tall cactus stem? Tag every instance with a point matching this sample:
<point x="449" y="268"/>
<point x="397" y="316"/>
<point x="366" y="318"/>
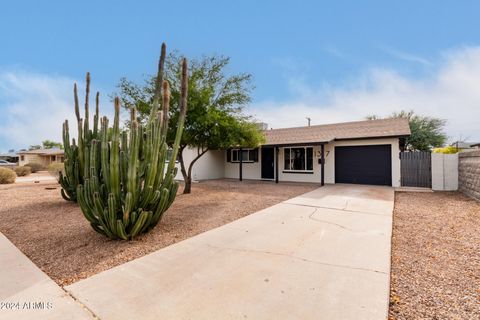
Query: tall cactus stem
<point x="181" y="118"/>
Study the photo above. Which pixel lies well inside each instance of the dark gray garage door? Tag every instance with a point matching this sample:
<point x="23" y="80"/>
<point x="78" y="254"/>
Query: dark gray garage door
<point x="364" y="165"/>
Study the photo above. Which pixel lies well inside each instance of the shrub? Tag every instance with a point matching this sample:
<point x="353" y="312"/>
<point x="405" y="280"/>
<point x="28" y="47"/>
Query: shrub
<point x="35" y="166"/>
<point x="7" y="176"/>
<point x="55" y="169"/>
<point x="22" y="171"/>
<point x="446" y="150"/>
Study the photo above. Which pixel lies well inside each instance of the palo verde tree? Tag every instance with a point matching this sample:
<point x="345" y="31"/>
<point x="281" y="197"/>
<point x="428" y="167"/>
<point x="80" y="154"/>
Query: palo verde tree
<point x="426" y="132"/>
<point x="49" y="144"/>
<point x="215" y="118"/>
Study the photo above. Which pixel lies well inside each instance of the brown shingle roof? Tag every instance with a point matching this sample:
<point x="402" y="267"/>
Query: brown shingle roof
<point x="338" y="131"/>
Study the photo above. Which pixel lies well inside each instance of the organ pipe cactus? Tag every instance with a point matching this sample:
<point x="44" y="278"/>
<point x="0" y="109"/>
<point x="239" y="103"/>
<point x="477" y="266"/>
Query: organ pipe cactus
<point x="126" y="185"/>
<point x="74" y="154"/>
<point x="119" y="178"/>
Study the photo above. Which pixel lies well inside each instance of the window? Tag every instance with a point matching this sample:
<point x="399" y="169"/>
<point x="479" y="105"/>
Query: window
<point x="22" y="158"/>
<point x="54" y="158"/>
<point x="298" y="159"/>
<point x="248" y="155"/>
<point x="169" y="155"/>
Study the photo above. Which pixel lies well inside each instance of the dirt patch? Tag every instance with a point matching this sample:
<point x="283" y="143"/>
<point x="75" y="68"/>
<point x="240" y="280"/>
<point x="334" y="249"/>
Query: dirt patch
<point x="54" y="234"/>
<point x="435" y="257"/>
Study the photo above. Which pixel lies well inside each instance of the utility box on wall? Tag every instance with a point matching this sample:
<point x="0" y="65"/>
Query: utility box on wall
<point x="444" y="172"/>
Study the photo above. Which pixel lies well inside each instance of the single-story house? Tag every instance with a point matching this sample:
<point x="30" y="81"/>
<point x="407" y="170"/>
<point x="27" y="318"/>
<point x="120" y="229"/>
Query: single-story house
<point x="465" y="145"/>
<point x="41" y="156"/>
<point x="362" y="152"/>
<point x="10" y="156"/>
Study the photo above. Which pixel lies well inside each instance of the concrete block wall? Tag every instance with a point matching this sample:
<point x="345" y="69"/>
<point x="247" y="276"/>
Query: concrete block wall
<point x="469" y="173"/>
<point x="444" y="172"/>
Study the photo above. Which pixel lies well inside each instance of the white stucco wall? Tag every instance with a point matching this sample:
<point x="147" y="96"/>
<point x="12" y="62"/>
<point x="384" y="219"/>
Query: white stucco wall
<point x="444" y="172"/>
<point x="253" y="170"/>
<point x="209" y="166"/>
<point x="250" y="170"/>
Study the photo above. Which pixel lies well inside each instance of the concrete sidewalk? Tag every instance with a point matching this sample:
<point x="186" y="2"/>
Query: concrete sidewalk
<point x="323" y="255"/>
<point x="28" y="293"/>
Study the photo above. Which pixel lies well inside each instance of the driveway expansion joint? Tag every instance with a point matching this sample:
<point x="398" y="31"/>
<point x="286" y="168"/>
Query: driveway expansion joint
<point x="336" y="209"/>
<point x="339" y="225"/>
<point x="82" y="305"/>
<point x="298" y="258"/>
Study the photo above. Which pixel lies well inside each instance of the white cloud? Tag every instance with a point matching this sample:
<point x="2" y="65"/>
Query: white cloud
<point x="34" y="106"/>
<point x="452" y="92"/>
<point x="406" y="56"/>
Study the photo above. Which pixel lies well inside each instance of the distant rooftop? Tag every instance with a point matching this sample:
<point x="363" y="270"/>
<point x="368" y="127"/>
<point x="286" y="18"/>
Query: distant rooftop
<point x="464" y="144"/>
<point x="52" y="151"/>
<point x="9" y="154"/>
<point x="338" y="131"/>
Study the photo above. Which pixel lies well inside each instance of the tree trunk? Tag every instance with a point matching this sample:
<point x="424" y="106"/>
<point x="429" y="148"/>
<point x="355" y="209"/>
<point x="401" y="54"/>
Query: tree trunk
<point x="182" y="164"/>
<point x="188" y="185"/>
<point x="187" y="175"/>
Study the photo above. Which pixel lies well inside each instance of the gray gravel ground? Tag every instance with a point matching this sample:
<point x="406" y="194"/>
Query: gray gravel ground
<point x="435" y="257"/>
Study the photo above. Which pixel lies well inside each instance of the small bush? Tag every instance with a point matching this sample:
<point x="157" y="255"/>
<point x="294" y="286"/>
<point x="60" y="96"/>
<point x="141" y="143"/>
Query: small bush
<point x="7" y="176"/>
<point x="35" y="166"/>
<point x="55" y="168"/>
<point x="22" y="171"/>
<point x="446" y="150"/>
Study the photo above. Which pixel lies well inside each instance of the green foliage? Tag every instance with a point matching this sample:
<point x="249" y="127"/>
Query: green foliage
<point x="446" y="150"/>
<point x="426" y="132"/>
<point x="35" y="167"/>
<point x="49" y="144"/>
<point x="7" y="176"/>
<point x="22" y="171"/>
<point x="215" y="118"/>
<point x="126" y="186"/>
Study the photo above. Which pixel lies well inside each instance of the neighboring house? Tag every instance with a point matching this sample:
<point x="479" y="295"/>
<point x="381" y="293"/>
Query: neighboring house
<point x="463" y="145"/>
<point x="10" y="156"/>
<point x="41" y="156"/>
<point x="363" y="152"/>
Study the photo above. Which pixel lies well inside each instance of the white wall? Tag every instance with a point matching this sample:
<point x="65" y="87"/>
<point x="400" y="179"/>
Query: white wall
<point x="250" y="170"/>
<point x="209" y="166"/>
<point x="444" y="172"/>
<point x="253" y="170"/>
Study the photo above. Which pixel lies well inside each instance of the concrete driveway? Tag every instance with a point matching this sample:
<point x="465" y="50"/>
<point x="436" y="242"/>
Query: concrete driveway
<point x="322" y="255"/>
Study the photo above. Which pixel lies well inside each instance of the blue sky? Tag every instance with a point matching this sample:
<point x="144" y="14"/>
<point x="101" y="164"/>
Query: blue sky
<point x="332" y="61"/>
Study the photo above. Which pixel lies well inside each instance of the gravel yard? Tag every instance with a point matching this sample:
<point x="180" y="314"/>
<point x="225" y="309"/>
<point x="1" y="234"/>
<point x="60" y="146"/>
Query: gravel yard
<point x="54" y="234"/>
<point x="435" y="257"/>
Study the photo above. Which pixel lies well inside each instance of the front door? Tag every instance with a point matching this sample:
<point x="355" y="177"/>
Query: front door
<point x="268" y="163"/>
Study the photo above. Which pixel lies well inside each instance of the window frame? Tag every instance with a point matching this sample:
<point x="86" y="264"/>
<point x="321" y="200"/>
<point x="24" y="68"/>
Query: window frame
<point x="291" y="159"/>
<point x="237" y="150"/>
